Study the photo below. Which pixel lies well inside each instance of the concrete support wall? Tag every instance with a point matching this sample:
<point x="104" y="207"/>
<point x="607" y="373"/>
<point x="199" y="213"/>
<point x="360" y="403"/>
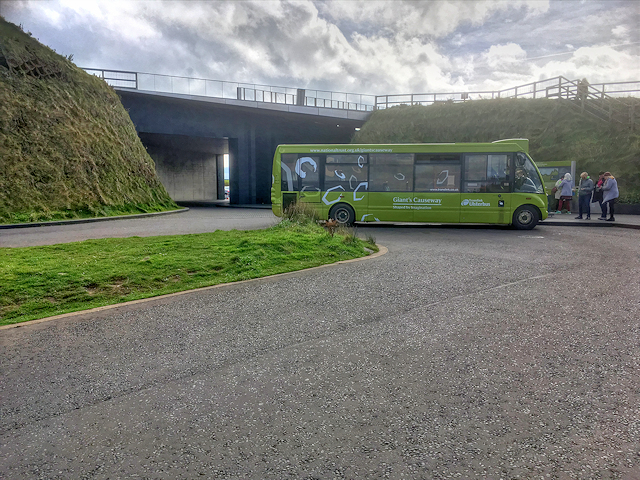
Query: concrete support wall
<point x="187" y="178"/>
<point x="187" y="166"/>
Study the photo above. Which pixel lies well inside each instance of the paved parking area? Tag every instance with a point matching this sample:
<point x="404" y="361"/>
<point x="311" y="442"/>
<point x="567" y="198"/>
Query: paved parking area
<point x="461" y="353"/>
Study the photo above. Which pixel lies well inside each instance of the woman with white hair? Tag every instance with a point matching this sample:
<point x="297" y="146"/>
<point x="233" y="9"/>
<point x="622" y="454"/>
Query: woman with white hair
<point x="566" y="193"/>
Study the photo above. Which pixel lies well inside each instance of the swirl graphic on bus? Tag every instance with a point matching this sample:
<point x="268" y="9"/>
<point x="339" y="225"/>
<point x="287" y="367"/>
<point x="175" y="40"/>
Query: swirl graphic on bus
<point x="327" y="202"/>
<point x="366" y="186"/>
<point x="302" y="161"/>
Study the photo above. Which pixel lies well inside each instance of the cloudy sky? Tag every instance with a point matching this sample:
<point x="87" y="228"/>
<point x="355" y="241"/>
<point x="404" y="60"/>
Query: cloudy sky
<point x="363" y="46"/>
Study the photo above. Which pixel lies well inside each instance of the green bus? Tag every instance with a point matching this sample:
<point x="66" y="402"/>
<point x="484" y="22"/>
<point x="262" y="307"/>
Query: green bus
<point x="494" y="182"/>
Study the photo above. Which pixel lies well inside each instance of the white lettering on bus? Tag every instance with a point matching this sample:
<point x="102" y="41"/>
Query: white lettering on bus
<point x="477" y="202"/>
<point x="351" y="150"/>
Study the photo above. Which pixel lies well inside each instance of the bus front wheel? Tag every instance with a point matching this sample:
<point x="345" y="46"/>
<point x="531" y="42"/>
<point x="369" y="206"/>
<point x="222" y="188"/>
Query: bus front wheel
<point x="343" y="214"/>
<point x="525" y="217"/>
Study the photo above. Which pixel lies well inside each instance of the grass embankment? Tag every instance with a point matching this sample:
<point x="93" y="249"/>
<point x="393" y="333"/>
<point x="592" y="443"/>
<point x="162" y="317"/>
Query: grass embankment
<point x="556" y="131"/>
<point x="68" y="148"/>
<point x="37" y="282"/>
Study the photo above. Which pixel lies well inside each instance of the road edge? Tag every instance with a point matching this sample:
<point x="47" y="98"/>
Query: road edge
<point x="74" y="221"/>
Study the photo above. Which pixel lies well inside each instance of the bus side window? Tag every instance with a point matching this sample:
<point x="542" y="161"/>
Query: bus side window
<point x="487" y="173"/>
<point x="308" y="169"/>
<point x="391" y="172"/>
<point x="345" y="172"/>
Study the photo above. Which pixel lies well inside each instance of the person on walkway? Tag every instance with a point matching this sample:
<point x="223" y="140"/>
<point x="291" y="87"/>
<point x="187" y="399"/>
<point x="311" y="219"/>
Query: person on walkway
<point x="597" y="194"/>
<point x="566" y="193"/>
<point x="557" y="193"/>
<point x="585" y="189"/>
<point x="610" y="194"/>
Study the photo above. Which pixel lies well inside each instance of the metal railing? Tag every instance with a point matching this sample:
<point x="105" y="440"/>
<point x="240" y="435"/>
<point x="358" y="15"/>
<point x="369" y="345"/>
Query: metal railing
<point x="235" y="90"/>
<point x="600" y="99"/>
<point x="550" y="88"/>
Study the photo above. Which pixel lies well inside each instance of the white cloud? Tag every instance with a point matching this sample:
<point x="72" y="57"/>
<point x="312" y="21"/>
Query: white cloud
<point x="504" y="57"/>
<point x="595" y="64"/>
<point x="409" y="18"/>
<point x="364" y="46"/>
<point x="620" y="31"/>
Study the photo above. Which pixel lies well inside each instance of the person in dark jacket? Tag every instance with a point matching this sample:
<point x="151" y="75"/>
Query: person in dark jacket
<point x="610" y="194"/>
<point x="585" y="189"/>
<point x="597" y="194"/>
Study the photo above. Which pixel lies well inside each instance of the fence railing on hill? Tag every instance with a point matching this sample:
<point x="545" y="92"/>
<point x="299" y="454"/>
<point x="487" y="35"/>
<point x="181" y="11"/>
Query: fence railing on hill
<point x="236" y="90"/>
<point x="603" y="100"/>
<point x="541" y="89"/>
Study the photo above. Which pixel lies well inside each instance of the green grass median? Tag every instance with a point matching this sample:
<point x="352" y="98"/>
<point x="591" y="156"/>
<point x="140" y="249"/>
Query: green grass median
<point x="37" y="282"/>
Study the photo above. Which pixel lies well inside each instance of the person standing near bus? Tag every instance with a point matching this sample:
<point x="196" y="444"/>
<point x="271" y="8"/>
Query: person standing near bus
<point x="585" y="188"/>
<point x="609" y="194"/>
<point x="557" y="192"/>
<point x="597" y="194"/>
<point x="566" y="193"/>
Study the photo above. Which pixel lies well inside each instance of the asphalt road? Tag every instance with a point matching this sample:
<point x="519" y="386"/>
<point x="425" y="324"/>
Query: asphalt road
<point x="461" y="353"/>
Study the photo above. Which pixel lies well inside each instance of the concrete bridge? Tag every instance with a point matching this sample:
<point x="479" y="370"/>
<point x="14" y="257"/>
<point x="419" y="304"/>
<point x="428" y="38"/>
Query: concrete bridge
<point x="187" y="125"/>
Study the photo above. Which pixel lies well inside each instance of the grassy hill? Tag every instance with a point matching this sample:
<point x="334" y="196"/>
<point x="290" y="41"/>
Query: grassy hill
<point x="556" y="131"/>
<point x="67" y="146"/>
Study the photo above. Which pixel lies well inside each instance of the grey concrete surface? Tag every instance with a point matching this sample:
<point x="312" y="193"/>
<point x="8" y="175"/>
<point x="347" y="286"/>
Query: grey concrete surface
<point x="461" y="353"/>
<point x="565" y="219"/>
<point x="195" y="220"/>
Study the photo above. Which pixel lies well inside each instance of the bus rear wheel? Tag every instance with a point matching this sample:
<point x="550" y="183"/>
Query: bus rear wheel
<point x="526" y="217"/>
<point x="343" y="214"/>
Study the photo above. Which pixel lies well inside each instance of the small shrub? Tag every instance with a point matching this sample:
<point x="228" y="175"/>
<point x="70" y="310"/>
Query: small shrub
<point x="630" y="198"/>
<point x="371" y="240"/>
<point x="300" y="213"/>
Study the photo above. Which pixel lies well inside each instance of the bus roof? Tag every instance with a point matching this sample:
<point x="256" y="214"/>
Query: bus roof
<point x="509" y="145"/>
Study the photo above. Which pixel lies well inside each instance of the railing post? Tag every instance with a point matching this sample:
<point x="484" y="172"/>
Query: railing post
<point x="560" y="87"/>
<point x="534" y="89"/>
<point x="136" y="80"/>
<point x="238" y="93"/>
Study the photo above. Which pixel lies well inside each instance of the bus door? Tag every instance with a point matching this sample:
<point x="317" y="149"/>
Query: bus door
<point x="437" y="188"/>
<point x="486" y="185"/>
